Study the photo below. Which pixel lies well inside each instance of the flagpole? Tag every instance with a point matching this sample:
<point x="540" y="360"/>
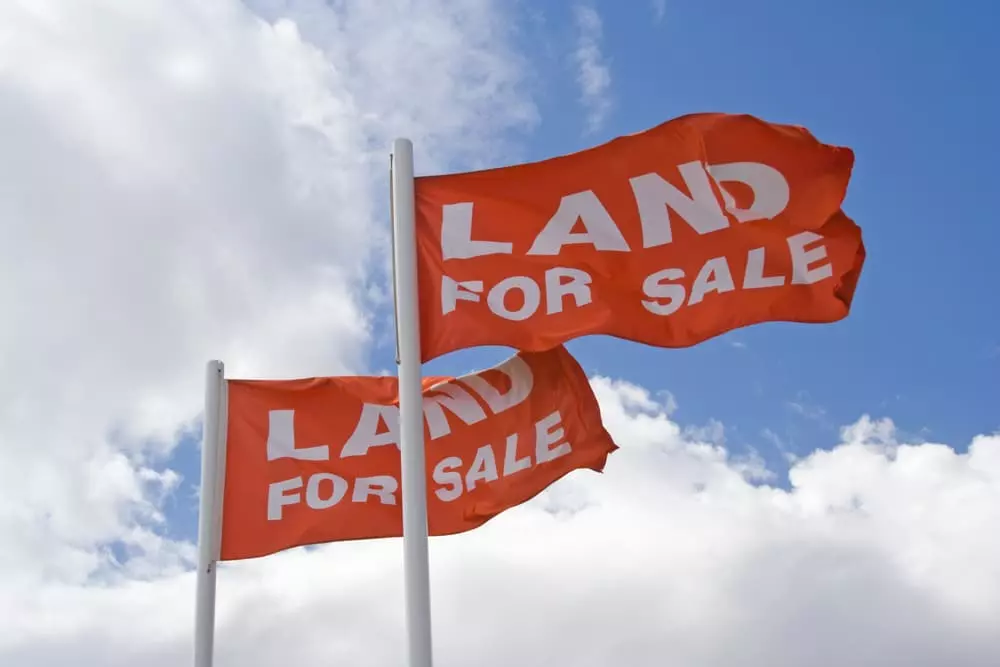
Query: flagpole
<point x="411" y="425"/>
<point x="210" y="512"/>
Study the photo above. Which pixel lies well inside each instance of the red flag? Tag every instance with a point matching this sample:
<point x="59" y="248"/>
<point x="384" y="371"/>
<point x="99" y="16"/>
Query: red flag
<point x="317" y="460"/>
<point x="668" y="237"/>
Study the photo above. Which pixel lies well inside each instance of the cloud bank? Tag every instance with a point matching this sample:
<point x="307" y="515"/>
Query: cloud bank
<point x="879" y="552"/>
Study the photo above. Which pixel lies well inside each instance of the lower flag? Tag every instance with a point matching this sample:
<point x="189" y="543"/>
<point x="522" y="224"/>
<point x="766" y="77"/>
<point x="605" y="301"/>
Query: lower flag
<point x="317" y="460"/>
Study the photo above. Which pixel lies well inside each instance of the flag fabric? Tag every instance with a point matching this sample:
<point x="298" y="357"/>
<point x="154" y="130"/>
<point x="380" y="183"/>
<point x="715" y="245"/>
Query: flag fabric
<point x="317" y="460"/>
<point x="668" y="237"/>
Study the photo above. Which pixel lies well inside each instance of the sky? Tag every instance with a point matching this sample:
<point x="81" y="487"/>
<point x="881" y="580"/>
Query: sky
<point x="183" y="180"/>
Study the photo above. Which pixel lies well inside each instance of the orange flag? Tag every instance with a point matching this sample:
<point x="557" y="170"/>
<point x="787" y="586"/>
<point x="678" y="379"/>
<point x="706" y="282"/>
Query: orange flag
<point x="668" y="237"/>
<point x="317" y="460"/>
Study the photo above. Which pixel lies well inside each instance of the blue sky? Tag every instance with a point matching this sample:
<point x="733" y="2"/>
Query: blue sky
<point x="911" y="87"/>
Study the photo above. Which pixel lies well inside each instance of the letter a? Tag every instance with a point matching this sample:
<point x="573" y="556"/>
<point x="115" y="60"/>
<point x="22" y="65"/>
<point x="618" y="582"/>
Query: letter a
<point x="367" y="433"/>
<point x="601" y="230"/>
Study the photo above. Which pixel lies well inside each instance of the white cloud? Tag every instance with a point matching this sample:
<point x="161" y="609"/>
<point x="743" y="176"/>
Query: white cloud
<point x="593" y="73"/>
<point x="182" y="180"/>
<point x="880" y="553"/>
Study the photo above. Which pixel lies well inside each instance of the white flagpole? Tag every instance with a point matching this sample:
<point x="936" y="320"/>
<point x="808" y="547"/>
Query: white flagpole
<point x="210" y="511"/>
<point x="411" y="424"/>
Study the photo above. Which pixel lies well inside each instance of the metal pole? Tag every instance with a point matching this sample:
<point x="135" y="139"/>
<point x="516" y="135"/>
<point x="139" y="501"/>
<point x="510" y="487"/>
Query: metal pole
<point x="411" y="424"/>
<point x="209" y="512"/>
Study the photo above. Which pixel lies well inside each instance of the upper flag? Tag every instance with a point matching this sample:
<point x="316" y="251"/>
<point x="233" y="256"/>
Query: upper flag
<point x="668" y="237"/>
<point x="317" y="460"/>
